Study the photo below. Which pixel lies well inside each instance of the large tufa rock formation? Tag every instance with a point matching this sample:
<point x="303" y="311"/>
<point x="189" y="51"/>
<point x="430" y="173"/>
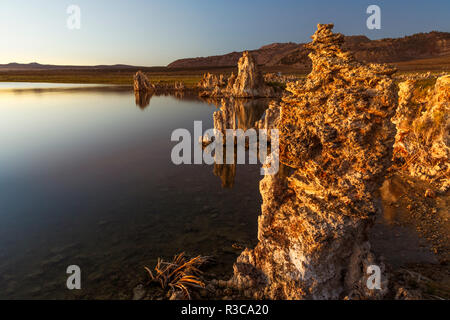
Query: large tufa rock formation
<point x="336" y="137"/>
<point x="143" y="89"/>
<point x="422" y="143"/>
<point x="141" y="83"/>
<point x="249" y="82"/>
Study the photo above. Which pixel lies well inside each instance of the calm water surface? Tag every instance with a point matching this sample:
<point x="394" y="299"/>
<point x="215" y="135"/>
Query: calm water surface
<point x="86" y="178"/>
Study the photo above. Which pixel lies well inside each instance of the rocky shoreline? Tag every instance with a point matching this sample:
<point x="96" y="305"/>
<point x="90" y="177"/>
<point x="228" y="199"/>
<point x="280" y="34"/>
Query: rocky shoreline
<point x="343" y="130"/>
<point x="248" y="83"/>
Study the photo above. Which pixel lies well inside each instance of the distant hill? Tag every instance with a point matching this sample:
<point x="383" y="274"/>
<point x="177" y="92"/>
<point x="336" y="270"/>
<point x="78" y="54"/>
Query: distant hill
<point x="417" y="46"/>
<point x="38" y="66"/>
<point x="432" y="45"/>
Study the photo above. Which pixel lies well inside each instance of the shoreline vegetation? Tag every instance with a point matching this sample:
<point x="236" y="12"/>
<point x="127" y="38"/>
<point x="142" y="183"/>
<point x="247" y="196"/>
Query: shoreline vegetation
<point x="163" y="75"/>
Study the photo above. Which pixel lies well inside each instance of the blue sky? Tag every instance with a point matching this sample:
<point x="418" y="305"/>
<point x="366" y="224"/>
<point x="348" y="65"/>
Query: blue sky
<point x="157" y="32"/>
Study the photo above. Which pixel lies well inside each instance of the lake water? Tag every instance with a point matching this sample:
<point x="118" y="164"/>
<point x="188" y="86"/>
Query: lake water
<point x="86" y="179"/>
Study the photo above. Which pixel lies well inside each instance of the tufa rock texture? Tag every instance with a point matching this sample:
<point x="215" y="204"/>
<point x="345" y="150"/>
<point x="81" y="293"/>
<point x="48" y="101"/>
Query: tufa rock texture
<point x="422" y="143"/>
<point x="336" y="139"/>
<point x="231" y="81"/>
<point x="210" y="81"/>
<point x="141" y="83"/>
<point x="280" y="78"/>
<point x="212" y="85"/>
<point x="249" y="82"/>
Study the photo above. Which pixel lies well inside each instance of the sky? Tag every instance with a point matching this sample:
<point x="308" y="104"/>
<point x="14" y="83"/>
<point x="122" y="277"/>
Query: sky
<point x="157" y="32"/>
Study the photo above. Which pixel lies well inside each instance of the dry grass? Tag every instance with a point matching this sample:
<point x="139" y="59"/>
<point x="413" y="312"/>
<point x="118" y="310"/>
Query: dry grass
<point x="107" y="75"/>
<point x="96" y="77"/>
<point x="179" y="274"/>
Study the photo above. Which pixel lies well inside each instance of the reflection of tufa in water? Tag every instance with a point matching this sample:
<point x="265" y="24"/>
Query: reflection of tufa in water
<point x="143" y="98"/>
<point x="238" y="113"/>
<point x="226" y="173"/>
<point x="234" y="114"/>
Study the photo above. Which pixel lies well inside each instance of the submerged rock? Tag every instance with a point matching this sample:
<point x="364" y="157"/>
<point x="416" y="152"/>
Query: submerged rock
<point x="336" y="139"/>
<point x="422" y="143"/>
<point x="141" y="83"/>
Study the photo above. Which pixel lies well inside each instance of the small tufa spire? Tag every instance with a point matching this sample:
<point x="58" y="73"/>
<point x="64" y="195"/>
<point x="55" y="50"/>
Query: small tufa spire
<point x="141" y="83"/>
<point x="325" y="41"/>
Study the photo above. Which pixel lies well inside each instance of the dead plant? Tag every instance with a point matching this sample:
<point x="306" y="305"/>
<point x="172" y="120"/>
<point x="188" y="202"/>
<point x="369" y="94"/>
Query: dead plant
<point x="181" y="273"/>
